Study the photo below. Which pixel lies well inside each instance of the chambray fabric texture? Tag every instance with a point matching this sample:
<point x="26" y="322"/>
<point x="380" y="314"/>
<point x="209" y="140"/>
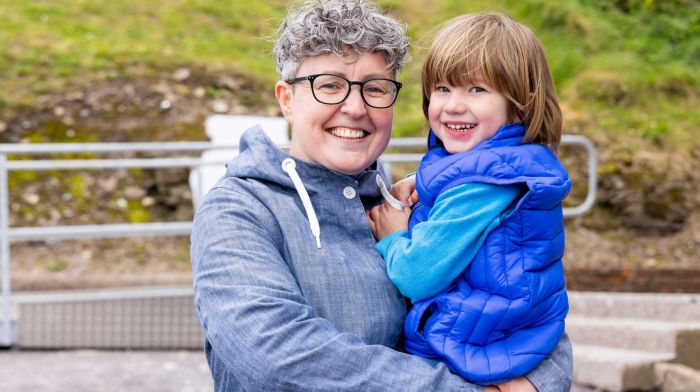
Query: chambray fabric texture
<point x="281" y="315"/>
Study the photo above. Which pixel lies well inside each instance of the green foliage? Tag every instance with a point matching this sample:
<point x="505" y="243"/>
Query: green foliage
<point x="55" y="265"/>
<point x="137" y="213"/>
<point x="614" y="61"/>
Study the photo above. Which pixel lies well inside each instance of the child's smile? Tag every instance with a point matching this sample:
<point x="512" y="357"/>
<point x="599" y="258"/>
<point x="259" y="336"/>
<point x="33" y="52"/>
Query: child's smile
<point x="464" y="116"/>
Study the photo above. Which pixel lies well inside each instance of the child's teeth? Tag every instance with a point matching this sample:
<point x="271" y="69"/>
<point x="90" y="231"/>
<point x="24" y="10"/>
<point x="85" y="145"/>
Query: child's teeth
<point x="459" y="127"/>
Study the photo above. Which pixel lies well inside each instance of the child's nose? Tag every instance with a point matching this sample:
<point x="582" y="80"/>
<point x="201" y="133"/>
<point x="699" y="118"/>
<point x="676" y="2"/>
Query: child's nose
<point x="457" y="104"/>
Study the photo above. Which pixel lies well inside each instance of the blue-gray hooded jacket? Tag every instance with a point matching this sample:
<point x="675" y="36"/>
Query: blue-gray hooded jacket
<point x="281" y="313"/>
<point x="505" y="313"/>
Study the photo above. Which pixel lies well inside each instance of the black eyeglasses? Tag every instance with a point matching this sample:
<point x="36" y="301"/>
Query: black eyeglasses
<point x="333" y="89"/>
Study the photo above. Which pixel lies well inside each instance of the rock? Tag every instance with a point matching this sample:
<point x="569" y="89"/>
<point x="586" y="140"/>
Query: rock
<point x="228" y="82"/>
<point x="182" y="74"/>
<point x="148" y="201"/>
<point x="220" y="106"/>
<point x="122" y="203"/>
<point x="677" y="378"/>
<point x="134" y="192"/>
<point x="31" y="198"/>
<point x="199" y="92"/>
<point x="652" y="192"/>
<point x="107" y="184"/>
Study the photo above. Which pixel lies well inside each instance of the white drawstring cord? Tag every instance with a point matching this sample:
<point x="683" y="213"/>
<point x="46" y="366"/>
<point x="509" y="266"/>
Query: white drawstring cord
<point x="289" y="167"/>
<point x="387" y="196"/>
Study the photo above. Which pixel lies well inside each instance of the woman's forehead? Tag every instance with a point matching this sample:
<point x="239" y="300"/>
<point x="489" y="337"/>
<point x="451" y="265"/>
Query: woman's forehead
<point x="349" y="64"/>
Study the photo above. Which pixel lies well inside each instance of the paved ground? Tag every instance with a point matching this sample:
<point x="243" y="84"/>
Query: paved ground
<point x="104" y="371"/>
<point x="109" y="371"/>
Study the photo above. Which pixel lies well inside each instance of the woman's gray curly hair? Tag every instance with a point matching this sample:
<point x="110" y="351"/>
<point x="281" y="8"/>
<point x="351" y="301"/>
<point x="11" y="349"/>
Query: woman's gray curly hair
<point x="334" y="26"/>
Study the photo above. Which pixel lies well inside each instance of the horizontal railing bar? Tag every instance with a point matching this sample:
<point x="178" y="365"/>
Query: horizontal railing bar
<point x="77" y="164"/>
<point x="148" y="163"/>
<point x="183" y="228"/>
<point x="68" y="148"/>
<point x="124" y="293"/>
<point x="408" y="142"/>
<point x="122" y="230"/>
<point x="99" y="231"/>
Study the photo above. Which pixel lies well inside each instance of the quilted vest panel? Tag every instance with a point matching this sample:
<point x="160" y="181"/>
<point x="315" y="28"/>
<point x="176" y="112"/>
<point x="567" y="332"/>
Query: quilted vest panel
<point x="505" y="313"/>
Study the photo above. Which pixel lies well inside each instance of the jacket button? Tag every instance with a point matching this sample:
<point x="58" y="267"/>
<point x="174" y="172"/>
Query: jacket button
<point x="349" y="192"/>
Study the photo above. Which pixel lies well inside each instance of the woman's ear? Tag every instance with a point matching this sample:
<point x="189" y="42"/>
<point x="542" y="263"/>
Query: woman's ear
<point x="285" y="95"/>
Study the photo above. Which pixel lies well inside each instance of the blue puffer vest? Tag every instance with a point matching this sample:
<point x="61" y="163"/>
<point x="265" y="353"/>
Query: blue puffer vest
<point x="505" y="313"/>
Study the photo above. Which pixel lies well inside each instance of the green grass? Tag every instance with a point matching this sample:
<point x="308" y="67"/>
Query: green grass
<point x="626" y="67"/>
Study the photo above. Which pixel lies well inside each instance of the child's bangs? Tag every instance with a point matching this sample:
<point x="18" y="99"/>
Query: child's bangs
<point x="463" y="63"/>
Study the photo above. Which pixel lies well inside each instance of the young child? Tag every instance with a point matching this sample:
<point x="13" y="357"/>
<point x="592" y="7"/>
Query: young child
<point x="480" y="256"/>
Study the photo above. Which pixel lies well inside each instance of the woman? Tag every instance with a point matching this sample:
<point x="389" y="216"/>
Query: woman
<point x="288" y="287"/>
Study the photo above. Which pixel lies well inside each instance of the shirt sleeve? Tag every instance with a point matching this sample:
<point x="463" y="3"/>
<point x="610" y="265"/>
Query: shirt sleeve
<point x="439" y="249"/>
<point x="260" y="329"/>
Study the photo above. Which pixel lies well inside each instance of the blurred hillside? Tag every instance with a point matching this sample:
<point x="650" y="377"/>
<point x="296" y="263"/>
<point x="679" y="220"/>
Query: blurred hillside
<point x="626" y="73"/>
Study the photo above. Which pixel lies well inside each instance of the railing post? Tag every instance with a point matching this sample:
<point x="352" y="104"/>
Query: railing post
<point x="589" y="147"/>
<point x="6" y="332"/>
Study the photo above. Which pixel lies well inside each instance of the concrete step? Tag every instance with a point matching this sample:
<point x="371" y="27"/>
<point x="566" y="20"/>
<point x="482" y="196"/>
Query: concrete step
<point x="645" y="335"/>
<point x="653" y="306"/>
<point x="672" y="377"/>
<point x="615" y="369"/>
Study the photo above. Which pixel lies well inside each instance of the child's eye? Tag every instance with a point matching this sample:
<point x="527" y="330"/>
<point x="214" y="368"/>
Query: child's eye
<point x="477" y="89"/>
<point x="442" y="89"/>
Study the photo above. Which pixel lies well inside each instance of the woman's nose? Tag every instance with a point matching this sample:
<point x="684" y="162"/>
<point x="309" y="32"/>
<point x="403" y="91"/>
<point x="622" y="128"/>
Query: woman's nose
<point x="354" y="105"/>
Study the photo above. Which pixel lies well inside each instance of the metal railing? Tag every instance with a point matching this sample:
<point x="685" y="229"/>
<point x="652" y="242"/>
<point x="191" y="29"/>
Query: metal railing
<point x="7" y="165"/>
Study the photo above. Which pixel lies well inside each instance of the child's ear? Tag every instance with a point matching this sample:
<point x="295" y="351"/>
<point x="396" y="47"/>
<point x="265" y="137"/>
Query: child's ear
<point x="285" y="95"/>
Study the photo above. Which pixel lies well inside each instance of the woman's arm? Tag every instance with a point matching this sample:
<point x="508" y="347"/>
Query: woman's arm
<point x="260" y="325"/>
<point x="556" y="372"/>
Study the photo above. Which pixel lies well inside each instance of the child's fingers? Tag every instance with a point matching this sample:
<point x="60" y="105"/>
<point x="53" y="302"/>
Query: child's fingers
<point x="414" y="197"/>
<point x="403" y="189"/>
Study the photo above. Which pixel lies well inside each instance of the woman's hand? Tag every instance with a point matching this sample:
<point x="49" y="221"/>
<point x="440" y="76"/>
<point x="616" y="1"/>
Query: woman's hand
<point x="385" y="219"/>
<point x="520" y="384"/>
<point x="405" y="191"/>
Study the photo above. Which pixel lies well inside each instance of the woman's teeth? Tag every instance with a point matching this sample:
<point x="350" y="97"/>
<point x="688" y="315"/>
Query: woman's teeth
<point x="348" y="133"/>
<point x="460" y="127"/>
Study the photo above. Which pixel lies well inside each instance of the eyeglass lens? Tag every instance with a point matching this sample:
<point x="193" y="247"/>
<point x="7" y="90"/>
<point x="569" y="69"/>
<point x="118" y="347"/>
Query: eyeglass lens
<point x="331" y="89"/>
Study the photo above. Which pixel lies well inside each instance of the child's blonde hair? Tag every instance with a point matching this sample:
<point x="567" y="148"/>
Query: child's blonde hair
<point x="506" y="55"/>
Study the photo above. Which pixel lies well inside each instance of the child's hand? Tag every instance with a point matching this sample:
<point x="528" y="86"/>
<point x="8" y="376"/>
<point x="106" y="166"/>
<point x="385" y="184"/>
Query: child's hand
<point x="385" y="219"/>
<point x="405" y="191"/>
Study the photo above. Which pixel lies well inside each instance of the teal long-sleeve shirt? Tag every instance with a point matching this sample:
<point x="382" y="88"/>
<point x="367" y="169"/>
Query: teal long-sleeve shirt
<point x="424" y="264"/>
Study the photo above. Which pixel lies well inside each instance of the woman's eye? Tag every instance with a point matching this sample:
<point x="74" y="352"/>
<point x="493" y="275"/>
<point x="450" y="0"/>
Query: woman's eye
<point x="329" y="86"/>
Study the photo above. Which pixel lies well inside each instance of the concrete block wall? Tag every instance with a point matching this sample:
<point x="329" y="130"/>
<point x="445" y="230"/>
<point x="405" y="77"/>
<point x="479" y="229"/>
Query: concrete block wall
<point x="136" y="318"/>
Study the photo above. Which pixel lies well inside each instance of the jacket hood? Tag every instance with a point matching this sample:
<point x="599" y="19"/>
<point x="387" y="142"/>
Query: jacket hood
<point x="261" y="159"/>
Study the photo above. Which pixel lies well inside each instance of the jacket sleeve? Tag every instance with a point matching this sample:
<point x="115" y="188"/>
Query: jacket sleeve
<point x="258" y="323"/>
<point x="556" y="372"/>
<point x="439" y="249"/>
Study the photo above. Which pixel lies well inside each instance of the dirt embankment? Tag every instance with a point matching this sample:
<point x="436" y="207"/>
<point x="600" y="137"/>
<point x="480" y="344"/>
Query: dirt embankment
<point x="643" y="235"/>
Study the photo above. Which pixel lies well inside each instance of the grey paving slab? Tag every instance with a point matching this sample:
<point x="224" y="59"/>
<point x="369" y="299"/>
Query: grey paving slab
<point x="112" y="371"/>
<point x="104" y="371"/>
